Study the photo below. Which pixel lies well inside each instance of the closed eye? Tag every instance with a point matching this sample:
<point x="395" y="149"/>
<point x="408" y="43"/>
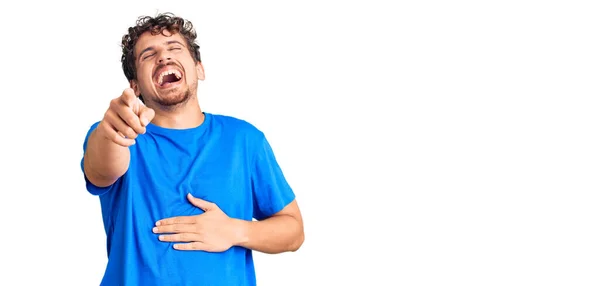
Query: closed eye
<point x="150" y="55"/>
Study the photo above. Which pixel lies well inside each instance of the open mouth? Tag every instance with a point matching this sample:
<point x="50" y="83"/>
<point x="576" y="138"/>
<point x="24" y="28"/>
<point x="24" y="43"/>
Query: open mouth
<point x="168" y="77"/>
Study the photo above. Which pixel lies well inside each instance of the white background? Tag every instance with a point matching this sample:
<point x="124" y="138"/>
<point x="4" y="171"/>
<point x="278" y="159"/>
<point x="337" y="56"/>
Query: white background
<point x="428" y="142"/>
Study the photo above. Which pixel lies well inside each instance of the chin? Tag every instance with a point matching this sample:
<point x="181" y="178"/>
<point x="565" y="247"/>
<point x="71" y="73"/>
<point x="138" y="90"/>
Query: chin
<point x="175" y="98"/>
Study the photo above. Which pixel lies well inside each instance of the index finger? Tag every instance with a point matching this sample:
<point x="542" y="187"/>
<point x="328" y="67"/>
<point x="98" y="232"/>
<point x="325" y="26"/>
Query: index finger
<point x="128" y="97"/>
<point x="176" y="220"/>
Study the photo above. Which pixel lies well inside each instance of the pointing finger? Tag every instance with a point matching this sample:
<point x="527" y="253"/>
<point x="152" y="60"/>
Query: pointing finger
<point x="128" y="97"/>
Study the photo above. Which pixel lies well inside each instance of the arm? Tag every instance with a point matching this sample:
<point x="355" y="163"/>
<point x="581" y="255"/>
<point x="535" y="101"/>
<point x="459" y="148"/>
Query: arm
<point x="279" y="226"/>
<point x="104" y="161"/>
<point x="107" y="155"/>
<point x="279" y="233"/>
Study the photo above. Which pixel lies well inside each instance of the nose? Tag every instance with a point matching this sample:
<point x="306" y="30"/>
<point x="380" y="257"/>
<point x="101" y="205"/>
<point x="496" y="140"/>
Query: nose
<point x="163" y="59"/>
<point x="164" y="56"/>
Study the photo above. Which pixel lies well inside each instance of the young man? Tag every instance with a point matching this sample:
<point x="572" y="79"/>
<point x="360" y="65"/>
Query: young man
<point x="179" y="187"/>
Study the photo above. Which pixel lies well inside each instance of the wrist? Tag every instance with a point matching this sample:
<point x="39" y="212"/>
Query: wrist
<point x="240" y="231"/>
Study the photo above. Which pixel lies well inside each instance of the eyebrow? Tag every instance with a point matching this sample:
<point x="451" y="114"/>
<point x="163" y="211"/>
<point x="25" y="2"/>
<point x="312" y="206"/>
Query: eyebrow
<point x="152" y="47"/>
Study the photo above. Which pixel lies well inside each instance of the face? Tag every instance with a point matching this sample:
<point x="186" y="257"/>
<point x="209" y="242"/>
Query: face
<point x="166" y="72"/>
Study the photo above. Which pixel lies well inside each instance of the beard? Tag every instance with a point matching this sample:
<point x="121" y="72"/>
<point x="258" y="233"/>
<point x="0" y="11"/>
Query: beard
<point x="174" y="98"/>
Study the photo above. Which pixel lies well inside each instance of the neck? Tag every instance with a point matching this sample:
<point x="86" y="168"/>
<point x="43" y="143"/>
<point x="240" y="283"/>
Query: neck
<point x="189" y="115"/>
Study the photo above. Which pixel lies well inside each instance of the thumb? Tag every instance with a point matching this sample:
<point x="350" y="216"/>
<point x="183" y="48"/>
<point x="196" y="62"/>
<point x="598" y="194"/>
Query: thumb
<point x="200" y="203"/>
<point x="146" y="115"/>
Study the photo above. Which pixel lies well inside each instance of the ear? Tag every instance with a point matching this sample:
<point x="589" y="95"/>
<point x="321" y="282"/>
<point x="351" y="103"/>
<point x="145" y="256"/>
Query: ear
<point x="200" y="70"/>
<point x="134" y="85"/>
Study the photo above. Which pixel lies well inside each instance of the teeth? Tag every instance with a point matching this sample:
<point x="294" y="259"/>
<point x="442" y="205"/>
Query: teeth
<point x="166" y="73"/>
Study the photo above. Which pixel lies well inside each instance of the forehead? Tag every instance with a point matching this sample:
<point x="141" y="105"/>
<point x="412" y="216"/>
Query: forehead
<point x="147" y="40"/>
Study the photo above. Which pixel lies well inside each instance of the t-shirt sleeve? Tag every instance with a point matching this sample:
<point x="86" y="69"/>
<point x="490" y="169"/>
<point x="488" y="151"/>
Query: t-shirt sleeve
<point x="271" y="191"/>
<point x="93" y="189"/>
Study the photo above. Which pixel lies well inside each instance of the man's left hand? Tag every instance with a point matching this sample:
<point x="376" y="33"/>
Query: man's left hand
<point x="212" y="231"/>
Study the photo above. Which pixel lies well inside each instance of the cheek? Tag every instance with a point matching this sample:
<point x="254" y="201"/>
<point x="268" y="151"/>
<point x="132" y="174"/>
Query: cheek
<point x="145" y="77"/>
<point x="142" y="70"/>
<point x="192" y="75"/>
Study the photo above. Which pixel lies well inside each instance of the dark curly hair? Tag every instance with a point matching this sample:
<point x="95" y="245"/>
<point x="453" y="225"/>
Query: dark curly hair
<point x="156" y="25"/>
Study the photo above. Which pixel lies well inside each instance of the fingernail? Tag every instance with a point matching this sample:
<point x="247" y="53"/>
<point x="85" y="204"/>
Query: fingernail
<point x="154" y="229"/>
<point x="144" y="121"/>
<point x="160" y="237"/>
<point x="157" y="223"/>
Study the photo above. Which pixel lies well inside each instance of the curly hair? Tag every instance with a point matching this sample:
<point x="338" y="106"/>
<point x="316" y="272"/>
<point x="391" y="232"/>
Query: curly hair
<point x="156" y="25"/>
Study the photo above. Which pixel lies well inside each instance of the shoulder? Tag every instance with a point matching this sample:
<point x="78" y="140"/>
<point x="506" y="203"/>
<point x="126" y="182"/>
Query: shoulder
<point x="237" y="126"/>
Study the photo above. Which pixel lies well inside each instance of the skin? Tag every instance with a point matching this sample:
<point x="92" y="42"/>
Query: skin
<point x="107" y="156"/>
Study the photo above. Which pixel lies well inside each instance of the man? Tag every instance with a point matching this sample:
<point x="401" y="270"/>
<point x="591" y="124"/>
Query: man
<point x="179" y="187"/>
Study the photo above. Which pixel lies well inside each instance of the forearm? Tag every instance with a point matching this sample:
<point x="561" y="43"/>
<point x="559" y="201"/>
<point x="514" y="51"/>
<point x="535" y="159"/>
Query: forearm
<point x="104" y="161"/>
<point x="276" y="234"/>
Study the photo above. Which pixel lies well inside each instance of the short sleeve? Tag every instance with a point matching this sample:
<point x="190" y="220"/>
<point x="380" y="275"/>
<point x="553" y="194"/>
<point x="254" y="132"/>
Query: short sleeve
<point x="271" y="191"/>
<point x="93" y="189"/>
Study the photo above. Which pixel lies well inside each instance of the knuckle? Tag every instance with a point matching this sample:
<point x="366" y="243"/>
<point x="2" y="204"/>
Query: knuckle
<point x="114" y="103"/>
<point x="108" y="115"/>
<point x="130" y="133"/>
<point x="129" y="118"/>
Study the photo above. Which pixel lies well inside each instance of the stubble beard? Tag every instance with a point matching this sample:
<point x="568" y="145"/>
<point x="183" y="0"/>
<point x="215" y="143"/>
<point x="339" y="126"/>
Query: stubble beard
<point x="173" y="101"/>
<point x="178" y="99"/>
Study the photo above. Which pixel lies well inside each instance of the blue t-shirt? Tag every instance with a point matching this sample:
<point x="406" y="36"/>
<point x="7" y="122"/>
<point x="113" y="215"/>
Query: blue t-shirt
<point x="226" y="161"/>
